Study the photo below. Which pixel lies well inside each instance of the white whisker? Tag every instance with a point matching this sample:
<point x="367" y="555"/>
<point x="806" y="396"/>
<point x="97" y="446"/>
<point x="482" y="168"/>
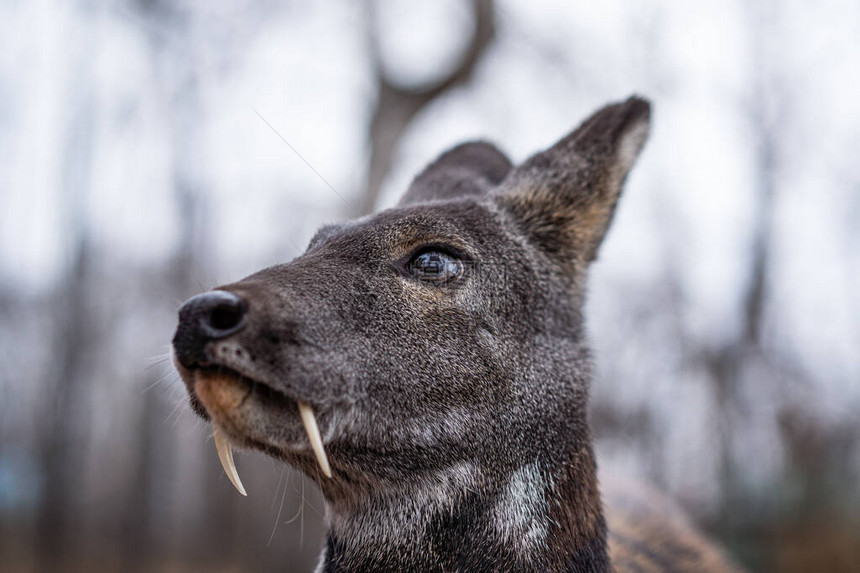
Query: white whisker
<point x="175" y="409"/>
<point x="280" y="507"/>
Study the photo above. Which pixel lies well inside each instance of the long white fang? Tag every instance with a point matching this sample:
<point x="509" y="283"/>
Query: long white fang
<point x="225" y="454"/>
<point x="310" y="422"/>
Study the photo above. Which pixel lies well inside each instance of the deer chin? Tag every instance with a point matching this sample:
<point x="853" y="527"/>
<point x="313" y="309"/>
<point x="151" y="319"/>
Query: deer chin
<point x="223" y="393"/>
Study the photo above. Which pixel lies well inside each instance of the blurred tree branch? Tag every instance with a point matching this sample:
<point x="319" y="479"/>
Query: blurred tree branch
<point x="398" y="104"/>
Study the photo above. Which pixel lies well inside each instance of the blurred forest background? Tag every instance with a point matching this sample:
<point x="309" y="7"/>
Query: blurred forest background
<point x="152" y="149"/>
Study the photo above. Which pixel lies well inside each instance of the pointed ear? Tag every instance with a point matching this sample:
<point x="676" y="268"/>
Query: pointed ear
<point x="563" y="198"/>
<point x="469" y="169"/>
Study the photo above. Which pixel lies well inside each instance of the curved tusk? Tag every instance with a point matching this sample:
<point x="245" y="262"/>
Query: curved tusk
<point x="225" y="454"/>
<point x="310" y="422"/>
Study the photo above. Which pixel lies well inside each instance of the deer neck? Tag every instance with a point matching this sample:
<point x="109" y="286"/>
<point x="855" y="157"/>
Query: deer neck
<point x="538" y="516"/>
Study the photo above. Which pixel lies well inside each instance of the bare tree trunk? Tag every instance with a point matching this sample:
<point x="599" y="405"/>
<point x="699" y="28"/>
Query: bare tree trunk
<point x="137" y="525"/>
<point x="60" y="441"/>
<point x="398" y="105"/>
<point x="60" y="444"/>
<point x="727" y="364"/>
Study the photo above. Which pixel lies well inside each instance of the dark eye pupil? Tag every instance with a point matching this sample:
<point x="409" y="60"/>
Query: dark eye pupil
<point x="431" y="263"/>
<point x="435" y="266"/>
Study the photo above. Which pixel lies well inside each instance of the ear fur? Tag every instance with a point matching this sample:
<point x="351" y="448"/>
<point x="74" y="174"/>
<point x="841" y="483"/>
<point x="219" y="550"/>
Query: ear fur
<point x="564" y="198"/>
<point x="466" y="170"/>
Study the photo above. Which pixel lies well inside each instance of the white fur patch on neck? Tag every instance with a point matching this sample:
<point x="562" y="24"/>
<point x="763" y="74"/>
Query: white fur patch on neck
<point x="521" y="512"/>
<point x="400" y="517"/>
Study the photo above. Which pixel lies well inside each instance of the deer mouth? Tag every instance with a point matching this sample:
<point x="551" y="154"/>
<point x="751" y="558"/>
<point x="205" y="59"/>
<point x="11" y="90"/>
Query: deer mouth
<point x="222" y="393"/>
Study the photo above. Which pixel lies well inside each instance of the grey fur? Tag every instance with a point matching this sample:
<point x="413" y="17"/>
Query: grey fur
<point x="454" y="415"/>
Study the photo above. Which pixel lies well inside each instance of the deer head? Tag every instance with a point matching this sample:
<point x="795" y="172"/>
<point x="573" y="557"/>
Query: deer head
<point x="427" y="365"/>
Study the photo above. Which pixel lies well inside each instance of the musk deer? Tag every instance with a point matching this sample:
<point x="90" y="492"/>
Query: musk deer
<point x="427" y="366"/>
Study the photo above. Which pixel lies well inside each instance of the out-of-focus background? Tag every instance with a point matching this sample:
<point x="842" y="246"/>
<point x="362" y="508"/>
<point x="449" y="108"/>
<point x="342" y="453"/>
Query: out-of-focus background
<point x="152" y="149"/>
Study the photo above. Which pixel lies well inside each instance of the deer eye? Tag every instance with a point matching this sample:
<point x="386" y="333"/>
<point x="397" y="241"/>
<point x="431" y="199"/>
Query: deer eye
<point x="435" y="266"/>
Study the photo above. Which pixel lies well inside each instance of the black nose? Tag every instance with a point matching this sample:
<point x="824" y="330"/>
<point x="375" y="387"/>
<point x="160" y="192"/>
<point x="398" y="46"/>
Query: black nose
<point x="209" y="316"/>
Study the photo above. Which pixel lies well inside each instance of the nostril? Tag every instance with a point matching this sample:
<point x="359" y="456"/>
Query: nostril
<point x="221" y="313"/>
<point x="212" y="315"/>
<point x="207" y="317"/>
<point x="226" y="316"/>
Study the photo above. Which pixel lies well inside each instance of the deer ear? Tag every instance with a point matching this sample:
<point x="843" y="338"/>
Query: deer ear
<point x="469" y="169"/>
<point x="563" y="198"/>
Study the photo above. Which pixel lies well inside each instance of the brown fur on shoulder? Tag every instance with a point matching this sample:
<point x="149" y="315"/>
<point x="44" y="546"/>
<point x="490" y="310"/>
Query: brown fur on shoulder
<point x="649" y="533"/>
